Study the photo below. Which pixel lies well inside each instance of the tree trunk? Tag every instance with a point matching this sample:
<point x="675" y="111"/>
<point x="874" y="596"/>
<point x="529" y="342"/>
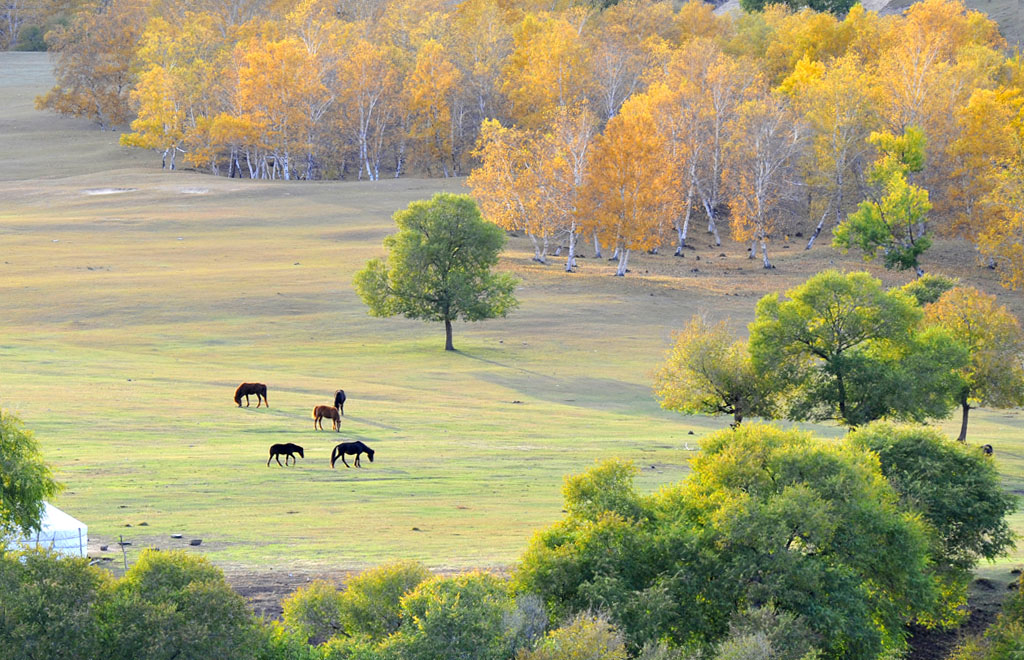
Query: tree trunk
<point x="538" y="254"/>
<point x="448" y="346"/>
<point x="597" y="247"/>
<point x="752" y="252"/>
<point x="623" y="260"/>
<point x="817" y="230"/>
<point x="764" y="253"/>
<point x="684" y="228"/>
<point x="963" y="423"/>
<point x="570" y="260"/>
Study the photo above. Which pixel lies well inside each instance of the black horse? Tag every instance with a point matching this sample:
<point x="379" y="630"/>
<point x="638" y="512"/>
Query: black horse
<point x="339" y="401"/>
<point x="288" y="450"/>
<point x="350" y="448"/>
<point x="245" y="389"/>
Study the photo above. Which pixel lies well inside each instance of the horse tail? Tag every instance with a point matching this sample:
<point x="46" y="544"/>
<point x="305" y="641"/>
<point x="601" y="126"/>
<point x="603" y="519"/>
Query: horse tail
<point x="334" y="456"/>
<point x="314" y="411"/>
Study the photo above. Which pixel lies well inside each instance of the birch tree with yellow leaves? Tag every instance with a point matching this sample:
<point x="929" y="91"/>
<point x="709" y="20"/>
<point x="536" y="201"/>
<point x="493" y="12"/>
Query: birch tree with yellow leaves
<point x="766" y="141"/>
<point x="839" y="104"/>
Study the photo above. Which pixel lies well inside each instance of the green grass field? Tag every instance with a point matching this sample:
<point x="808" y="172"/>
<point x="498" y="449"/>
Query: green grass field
<point x="133" y="301"/>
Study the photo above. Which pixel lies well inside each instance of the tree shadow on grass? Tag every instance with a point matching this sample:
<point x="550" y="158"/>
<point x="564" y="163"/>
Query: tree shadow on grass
<point x="606" y="394"/>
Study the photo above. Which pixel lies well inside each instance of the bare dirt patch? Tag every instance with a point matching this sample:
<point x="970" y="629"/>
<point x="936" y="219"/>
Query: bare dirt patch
<point x="107" y="191"/>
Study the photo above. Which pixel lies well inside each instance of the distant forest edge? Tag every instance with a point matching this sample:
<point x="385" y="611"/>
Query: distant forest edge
<point x="633" y="117"/>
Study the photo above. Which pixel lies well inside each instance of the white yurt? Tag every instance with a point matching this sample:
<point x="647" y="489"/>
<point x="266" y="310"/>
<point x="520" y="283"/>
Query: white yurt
<point x="58" y="532"/>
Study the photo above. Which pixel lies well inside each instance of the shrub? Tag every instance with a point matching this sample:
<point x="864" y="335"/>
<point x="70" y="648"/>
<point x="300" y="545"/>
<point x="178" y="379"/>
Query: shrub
<point x="173" y="605"/>
<point x="314" y="612"/>
<point x="48" y="607"/>
<point x="371" y="604"/>
<point x="586" y="637"/>
<point x="462" y="617"/>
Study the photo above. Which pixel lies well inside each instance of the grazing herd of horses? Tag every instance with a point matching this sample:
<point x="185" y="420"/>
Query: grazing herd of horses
<point x="290" y="449"/>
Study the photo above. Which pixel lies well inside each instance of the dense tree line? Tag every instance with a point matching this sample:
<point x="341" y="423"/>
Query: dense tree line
<point x="624" y="124"/>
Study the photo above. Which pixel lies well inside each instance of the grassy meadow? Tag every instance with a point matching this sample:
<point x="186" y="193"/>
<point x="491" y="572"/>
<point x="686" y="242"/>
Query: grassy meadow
<point x="134" y="300"/>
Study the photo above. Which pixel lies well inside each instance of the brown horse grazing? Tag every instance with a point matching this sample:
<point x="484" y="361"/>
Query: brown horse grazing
<point x="339" y="401"/>
<point x="330" y="413"/>
<point x="288" y="449"/>
<point x="245" y="389"/>
<point x="350" y="448"/>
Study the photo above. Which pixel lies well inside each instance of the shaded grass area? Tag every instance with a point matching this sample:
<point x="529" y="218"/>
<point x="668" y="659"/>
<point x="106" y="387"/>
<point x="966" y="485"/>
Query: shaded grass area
<point x="133" y="301"/>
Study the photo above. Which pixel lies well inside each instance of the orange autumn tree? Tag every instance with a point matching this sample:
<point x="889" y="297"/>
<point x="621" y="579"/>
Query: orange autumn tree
<point x="504" y="183"/>
<point x="93" y="62"/>
<point x="278" y="83"/>
<point x="629" y="194"/>
<point x="435" y="105"/>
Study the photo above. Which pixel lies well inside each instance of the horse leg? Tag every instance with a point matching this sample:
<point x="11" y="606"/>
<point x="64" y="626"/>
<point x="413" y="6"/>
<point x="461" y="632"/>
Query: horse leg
<point x="265" y="402"/>
<point x="344" y="461"/>
<point x="278" y="458"/>
<point x="246" y="400"/>
<point x="356" y="462"/>
<point x="270" y="459"/>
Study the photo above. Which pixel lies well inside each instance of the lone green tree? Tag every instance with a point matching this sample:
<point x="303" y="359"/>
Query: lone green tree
<point x="845" y="349"/>
<point x="893" y="217"/>
<point x="439" y="266"/>
<point x="25" y="480"/>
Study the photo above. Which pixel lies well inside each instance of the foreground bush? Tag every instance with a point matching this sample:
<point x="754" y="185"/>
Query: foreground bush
<point x="48" y="607"/>
<point x="455" y="617"/>
<point x="584" y="638"/>
<point x="768" y="518"/>
<point x="172" y="605"/>
<point x="956" y="490"/>
<point x="372" y="602"/>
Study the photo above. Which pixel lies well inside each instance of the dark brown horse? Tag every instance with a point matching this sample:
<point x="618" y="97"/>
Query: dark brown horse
<point x="330" y="413"/>
<point x="288" y="450"/>
<point x="350" y="448"/>
<point x="245" y="389"/>
<point x="339" y="401"/>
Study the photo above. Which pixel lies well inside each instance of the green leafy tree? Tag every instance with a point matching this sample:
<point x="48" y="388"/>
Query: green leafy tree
<point x="439" y="266"/>
<point x="837" y="7"/>
<point x="956" y="491"/>
<point x="775" y="519"/>
<point x="994" y="375"/>
<point x="844" y="348"/>
<point x="172" y="605"/>
<point x="893" y="217"/>
<point x="48" y="607"/>
<point x="25" y="480"/>
<point x="709" y="371"/>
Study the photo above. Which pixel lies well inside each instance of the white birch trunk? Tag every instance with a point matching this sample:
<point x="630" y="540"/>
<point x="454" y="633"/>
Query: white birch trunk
<point x="623" y="261"/>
